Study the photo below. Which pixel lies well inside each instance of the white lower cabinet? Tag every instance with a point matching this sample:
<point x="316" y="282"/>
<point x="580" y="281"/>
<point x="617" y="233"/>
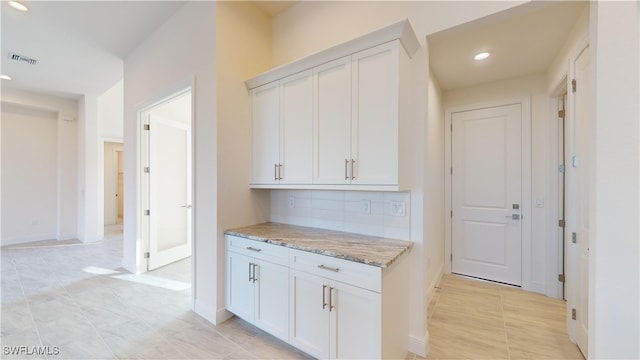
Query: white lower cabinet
<point x="257" y="290"/>
<point x="327" y="307"/>
<point x="334" y="320"/>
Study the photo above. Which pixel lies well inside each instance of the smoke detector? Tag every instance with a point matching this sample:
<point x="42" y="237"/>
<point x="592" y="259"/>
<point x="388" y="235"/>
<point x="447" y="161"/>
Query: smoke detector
<point x="22" y="58"/>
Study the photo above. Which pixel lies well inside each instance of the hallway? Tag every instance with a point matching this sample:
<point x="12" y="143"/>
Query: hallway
<point x="71" y="300"/>
<point x="470" y="319"/>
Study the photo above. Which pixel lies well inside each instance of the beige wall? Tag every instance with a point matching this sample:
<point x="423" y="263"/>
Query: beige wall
<point x="311" y="26"/>
<point x="186" y="45"/>
<point x="243" y="45"/>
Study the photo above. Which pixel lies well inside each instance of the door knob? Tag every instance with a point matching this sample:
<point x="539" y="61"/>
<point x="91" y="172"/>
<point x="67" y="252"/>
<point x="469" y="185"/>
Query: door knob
<point x="186" y="206"/>
<point x="513" y="216"/>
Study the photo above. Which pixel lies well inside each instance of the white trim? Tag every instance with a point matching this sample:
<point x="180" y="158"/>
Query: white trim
<point x="211" y="315"/>
<point x="525" y="102"/>
<point x="419" y="346"/>
<point x="31" y="238"/>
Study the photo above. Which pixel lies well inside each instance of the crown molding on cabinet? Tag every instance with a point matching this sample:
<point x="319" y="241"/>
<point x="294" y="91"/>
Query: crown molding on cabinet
<point x="401" y="30"/>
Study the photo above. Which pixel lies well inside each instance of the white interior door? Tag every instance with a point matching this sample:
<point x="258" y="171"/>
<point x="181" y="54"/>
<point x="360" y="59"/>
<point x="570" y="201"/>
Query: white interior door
<point x="580" y="164"/>
<point x="486" y="193"/>
<point x="169" y="191"/>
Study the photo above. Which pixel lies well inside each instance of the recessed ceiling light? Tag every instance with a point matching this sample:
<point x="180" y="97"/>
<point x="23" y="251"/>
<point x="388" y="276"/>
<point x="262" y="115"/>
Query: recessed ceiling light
<point x="18" y="5"/>
<point x="481" y="56"/>
<point x="5" y="77"/>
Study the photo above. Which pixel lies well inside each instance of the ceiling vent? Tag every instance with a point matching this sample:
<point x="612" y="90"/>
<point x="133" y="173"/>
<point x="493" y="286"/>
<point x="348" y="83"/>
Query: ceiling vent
<point x="22" y="58"/>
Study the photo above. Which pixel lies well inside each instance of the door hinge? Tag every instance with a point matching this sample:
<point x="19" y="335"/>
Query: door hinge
<point x="562" y="168"/>
<point x="451" y="127"/>
<point x="147" y="127"/>
<point x="146" y="169"/>
<point x="147" y="212"/>
<point x="451" y="256"/>
<point x="146" y="255"/>
<point x="451" y="171"/>
<point x="573" y="85"/>
<point x="561" y="114"/>
<point x="451" y="214"/>
<point x="561" y="223"/>
<point x="561" y="278"/>
<point x="574" y="316"/>
<point x="573" y="238"/>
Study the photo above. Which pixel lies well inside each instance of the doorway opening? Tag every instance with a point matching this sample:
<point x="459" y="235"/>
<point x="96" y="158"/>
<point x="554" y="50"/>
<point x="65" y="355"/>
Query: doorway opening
<point x="113" y="183"/>
<point x="166" y="196"/>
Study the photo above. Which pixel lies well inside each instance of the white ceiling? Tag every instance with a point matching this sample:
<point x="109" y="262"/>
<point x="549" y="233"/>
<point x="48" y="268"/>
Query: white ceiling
<point x="523" y="40"/>
<point x="79" y="45"/>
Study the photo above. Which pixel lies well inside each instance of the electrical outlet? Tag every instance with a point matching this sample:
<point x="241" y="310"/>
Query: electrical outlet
<point x="292" y="202"/>
<point x="366" y="206"/>
<point x="397" y="208"/>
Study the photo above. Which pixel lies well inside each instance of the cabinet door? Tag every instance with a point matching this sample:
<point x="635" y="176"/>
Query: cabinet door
<point x="272" y="299"/>
<point x="265" y="133"/>
<point x="332" y="122"/>
<point x="240" y="288"/>
<point x="309" y="314"/>
<point x="374" y="144"/>
<point x="356" y="323"/>
<point x="296" y="93"/>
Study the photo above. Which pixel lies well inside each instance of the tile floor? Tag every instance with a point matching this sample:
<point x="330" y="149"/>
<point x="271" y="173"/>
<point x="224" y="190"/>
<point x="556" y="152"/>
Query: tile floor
<point x="73" y="301"/>
<point x="471" y="319"/>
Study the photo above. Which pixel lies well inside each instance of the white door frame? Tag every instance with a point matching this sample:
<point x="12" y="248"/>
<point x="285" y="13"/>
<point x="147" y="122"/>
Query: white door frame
<point x="526" y="183"/>
<point x="555" y="246"/>
<point x="142" y="221"/>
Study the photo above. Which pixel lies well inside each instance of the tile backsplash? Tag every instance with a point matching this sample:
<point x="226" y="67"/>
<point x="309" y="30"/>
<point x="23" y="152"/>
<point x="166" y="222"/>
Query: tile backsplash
<point x="385" y="214"/>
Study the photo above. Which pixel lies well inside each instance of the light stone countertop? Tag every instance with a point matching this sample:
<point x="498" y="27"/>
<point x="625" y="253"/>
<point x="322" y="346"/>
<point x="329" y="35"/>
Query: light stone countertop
<point x="371" y="250"/>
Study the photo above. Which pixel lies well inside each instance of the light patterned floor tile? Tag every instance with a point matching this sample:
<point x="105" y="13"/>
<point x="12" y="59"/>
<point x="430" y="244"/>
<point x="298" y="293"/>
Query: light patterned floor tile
<point x="471" y="319"/>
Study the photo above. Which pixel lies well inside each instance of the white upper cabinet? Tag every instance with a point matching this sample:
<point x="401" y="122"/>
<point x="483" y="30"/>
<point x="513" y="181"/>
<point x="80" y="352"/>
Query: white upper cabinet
<point x="332" y="122"/>
<point x="280" y="128"/>
<point x="341" y="121"/>
<point x="374" y="120"/>
<point x="265" y="133"/>
<point x="295" y="129"/>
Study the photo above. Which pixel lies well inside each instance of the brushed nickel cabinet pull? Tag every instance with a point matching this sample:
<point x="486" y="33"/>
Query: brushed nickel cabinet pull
<point x="254" y="272"/>
<point x="253" y="249"/>
<point x="353" y="176"/>
<point x="324" y="267"/>
<point x="250" y="278"/>
<point x="324" y="302"/>
<point x="346" y="165"/>
<point x="280" y="172"/>
<point x="331" y="299"/>
<point x="275" y="171"/>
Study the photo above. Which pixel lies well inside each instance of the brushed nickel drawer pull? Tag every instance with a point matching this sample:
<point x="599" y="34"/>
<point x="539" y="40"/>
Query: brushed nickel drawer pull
<point x="321" y="266"/>
<point x="253" y="249"/>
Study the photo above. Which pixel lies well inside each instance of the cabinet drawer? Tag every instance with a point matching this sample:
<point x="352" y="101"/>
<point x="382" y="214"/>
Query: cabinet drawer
<point x="350" y="272"/>
<point x="258" y="250"/>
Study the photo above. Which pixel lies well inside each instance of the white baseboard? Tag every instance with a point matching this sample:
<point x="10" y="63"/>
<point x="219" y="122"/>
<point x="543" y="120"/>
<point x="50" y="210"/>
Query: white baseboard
<point x="222" y="315"/>
<point x="209" y="314"/>
<point x="27" y="239"/>
<point x="432" y="286"/>
<point x="539" y="288"/>
<point x="419" y="346"/>
<point x="66" y="237"/>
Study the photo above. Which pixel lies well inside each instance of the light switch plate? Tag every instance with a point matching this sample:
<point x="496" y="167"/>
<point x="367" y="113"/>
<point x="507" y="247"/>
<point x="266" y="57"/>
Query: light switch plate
<point x="292" y="202"/>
